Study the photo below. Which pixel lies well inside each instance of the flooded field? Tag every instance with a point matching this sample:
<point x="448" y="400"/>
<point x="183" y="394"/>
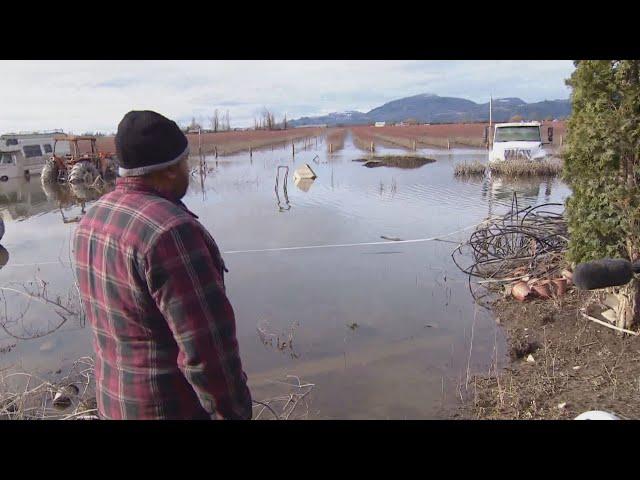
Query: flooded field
<point x="383" y="330"/>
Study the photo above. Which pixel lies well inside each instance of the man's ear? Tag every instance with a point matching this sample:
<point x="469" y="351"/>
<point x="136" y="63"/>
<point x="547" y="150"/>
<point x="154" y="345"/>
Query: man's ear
<point x="172" y="172"/>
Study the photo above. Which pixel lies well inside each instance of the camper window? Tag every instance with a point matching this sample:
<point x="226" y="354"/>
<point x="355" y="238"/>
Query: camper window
<point x="7" y="159"/>
<point x="47" y="148"/>
<point x="11" y="141"/>
<point x="32" y="151"/>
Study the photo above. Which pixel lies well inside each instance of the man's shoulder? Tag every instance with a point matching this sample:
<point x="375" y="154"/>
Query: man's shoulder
<point x="140" y="214"/>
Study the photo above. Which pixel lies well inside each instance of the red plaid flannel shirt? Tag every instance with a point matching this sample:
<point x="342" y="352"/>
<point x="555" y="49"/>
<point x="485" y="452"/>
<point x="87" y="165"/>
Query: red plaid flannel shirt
<point x="151" y="280"/>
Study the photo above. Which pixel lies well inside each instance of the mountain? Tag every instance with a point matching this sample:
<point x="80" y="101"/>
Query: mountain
<point x="430" y="108"/>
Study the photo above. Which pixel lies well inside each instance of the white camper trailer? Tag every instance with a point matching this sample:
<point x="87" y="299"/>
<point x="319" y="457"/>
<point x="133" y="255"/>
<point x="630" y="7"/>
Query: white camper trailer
<point x="24" y="154"/>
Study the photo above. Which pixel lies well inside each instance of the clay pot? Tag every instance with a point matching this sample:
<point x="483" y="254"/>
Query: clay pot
<point x="520" y="291"/>
<point x="542" y="289"/>
<point x="568" y="275"/>
<point x="560" y="286"/>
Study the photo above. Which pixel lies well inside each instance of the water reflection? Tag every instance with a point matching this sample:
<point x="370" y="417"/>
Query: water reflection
<point x="21" y="198"/>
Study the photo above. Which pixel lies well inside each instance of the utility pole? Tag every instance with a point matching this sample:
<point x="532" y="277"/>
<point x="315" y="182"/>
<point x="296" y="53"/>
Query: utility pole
<point x="489" y="137"/>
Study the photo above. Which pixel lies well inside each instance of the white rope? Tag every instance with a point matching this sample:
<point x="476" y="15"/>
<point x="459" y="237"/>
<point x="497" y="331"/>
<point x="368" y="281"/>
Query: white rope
<point x="304" y="247"/>
<point x="31" y="264"/>
<point x="339" y="245"/>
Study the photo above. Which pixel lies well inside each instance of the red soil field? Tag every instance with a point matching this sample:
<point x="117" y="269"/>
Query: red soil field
<point x="231" y="142"/>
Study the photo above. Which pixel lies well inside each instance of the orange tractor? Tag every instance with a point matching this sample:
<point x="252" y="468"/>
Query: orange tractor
<point x="75" y="159"/>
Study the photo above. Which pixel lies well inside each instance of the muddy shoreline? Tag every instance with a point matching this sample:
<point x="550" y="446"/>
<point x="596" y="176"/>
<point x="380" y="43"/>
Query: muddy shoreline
<point x="560" y="365"/>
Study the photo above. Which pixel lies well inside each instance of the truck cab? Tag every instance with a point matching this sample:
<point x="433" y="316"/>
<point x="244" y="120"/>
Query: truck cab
<point x="518" y="141"/>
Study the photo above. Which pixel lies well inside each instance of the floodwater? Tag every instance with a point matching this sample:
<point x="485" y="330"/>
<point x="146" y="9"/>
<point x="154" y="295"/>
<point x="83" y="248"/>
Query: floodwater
<point x="382" y="330"/>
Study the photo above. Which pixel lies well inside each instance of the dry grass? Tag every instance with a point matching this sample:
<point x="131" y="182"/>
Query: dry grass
<point x="523" y="168"/>
<point x="577" y="365"/>
<point x="469" y="168"/>
<point x="285" y="406"/>
<point x="25" y="396"/>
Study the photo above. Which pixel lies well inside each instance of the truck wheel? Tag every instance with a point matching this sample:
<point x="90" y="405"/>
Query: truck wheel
<point x="49" y="172"/>
<point x="4" y="178"/>
<point x="83" y="172"/>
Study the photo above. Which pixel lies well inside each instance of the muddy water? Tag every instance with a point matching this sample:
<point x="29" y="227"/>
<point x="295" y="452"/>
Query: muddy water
<point x="383" y="331"/>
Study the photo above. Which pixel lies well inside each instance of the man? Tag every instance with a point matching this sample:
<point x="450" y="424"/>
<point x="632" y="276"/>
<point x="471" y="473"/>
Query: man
<point x="152" y="284"/>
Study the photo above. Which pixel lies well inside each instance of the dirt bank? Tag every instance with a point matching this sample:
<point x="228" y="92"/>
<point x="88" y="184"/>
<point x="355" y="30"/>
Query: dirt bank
<point x="578" y="366"/>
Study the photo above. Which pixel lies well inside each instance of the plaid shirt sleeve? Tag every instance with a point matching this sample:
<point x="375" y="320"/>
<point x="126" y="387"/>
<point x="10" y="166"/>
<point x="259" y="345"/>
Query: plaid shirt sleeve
<point x="186" y="282"/>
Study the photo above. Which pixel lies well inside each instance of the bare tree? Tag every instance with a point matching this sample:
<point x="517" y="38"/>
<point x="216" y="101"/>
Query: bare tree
<point x="194" y="125"/>
<point x="227" y="123"/>
<point x="215" y="121"/>
<point x="284" y="122"/>
<point x="268" y="119"/>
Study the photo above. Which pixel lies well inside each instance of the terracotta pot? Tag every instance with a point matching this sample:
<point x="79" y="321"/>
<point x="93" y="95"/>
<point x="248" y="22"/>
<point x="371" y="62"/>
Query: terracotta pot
<point x="542" y="289"/>
<point x="520" y="291"/>
<point x="560" y="285"/>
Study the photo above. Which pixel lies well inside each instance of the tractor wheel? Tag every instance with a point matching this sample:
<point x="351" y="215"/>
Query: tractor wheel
<point x="83" y="172"/>
<point x="112" y="168"/>
<point x="83" y="192"/>
<point x="49" y="173"/>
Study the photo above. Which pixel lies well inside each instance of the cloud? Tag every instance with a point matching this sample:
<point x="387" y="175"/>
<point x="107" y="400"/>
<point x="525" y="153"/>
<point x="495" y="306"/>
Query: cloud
<point x="94" y="95"/>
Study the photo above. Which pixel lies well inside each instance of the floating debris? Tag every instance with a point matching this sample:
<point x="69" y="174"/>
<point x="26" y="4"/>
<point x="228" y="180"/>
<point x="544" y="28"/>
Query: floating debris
<point x="304" y="172"/>
<point x="397" y="161"/>
<point x="304" y="184"/>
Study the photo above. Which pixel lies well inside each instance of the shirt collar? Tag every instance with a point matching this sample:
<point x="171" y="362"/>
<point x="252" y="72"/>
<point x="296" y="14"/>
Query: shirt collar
<point x="142" y="185"/>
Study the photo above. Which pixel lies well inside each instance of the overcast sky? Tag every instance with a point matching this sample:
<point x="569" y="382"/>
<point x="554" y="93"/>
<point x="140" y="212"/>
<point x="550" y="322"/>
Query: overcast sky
<point x="84" y="96"/>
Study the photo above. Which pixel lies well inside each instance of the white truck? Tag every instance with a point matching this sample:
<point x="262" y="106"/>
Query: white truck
<point x="518" y="141"/>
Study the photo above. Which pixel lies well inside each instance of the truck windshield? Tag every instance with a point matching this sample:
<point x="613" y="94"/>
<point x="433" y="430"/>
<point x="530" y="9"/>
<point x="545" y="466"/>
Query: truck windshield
<point x="517" y="134"/>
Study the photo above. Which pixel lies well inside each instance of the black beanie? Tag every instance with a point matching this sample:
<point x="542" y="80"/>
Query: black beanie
<point x="146" y="141"/>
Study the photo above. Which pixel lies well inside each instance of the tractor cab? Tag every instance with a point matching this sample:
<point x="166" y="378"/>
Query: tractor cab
<point x="75" y="159"/>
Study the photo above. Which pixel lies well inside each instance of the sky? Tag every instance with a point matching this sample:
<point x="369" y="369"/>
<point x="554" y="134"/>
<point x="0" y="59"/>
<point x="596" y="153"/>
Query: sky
<point x="81" y="96"/>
